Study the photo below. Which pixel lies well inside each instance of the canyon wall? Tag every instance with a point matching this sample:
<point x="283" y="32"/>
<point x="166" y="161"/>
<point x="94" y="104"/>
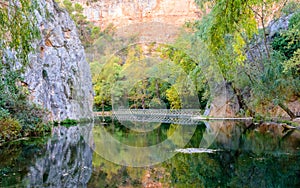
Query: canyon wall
<point x="152" y="20"/>
<point x="126" y="12"/>
<point x="58" y="76"/>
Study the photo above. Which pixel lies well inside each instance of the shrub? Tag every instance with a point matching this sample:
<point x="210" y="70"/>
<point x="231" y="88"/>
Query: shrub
<point x="10" y="129"/>
<point x="287" y="42"/>
<point x="67" y="122"/>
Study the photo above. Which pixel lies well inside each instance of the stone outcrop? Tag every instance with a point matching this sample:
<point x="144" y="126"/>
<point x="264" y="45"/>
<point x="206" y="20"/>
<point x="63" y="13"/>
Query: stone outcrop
<point x="58" y="75"/>
<point x="224" y="103"/>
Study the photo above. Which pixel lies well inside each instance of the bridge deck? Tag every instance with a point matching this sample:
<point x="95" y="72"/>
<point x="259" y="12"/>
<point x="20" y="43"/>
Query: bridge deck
<point x="178" y="116"/>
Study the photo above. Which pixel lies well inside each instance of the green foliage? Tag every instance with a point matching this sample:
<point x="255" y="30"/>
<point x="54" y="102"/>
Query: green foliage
<point x="173" y="98"/>
<point x="10" y="129"/>
<point x="287" y="42"/>
<point x="228" y="22"/>
<point x="88" y="33"/>
<point x="67" y="122"/>
<point x="293" y="62"/>
<point x="225" y="35"/>
<point x="78" y="8"/>
<point x="4" y="113"/>
<point x="104" y="80"/>
<point x="125" y="73"/>
<point x="180" y="53"/>
<point x="274" y="83"/>
<point x="68" y="5"/>
<point x="294" y="21"/>
<point x="18" y="30"/>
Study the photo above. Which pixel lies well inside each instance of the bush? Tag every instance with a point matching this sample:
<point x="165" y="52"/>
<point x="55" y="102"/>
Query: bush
<point x="287" y="42"/>
<point x="67" y="122"/>
<point x="10" y="129"/>
<point x="294" y="21"/>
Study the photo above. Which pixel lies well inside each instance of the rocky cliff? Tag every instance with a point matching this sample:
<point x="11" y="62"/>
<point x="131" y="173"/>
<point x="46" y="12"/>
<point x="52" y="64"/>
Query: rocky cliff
<point x="58" y="75"/>
<point x="150" y="19"/>
<point x="125" y="12"/>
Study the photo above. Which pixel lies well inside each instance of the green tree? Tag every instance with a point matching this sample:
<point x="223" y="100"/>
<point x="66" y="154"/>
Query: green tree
<point x="87" y="31"/>
<point x="104" y="81"/>
<point x="179" y="53"/>
<point x="227" y="31"/>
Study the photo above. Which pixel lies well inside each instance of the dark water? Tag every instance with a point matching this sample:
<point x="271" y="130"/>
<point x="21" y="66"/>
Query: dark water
<point x="218" y="154"/>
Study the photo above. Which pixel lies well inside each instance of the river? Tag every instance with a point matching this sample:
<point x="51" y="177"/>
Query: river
<point x="214" y="154"/>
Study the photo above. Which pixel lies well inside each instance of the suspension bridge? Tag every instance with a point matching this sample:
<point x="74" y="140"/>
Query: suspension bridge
<point x="174" y="116"/>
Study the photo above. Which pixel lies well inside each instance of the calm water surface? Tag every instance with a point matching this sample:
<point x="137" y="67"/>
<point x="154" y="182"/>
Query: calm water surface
<point x="218" y="154"/>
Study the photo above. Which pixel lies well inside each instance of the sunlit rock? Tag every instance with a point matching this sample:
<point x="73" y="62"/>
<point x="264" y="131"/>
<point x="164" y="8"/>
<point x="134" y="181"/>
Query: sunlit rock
<point x="58" y="76"/>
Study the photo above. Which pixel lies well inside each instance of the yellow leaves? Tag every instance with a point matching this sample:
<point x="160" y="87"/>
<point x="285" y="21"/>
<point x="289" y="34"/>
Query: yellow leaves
<point x="238" y="48"/>
<point x="174" y="98"/>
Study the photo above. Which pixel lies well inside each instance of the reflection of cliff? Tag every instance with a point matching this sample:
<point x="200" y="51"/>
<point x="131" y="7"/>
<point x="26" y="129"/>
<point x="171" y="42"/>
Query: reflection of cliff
<point x="67" y="161"/>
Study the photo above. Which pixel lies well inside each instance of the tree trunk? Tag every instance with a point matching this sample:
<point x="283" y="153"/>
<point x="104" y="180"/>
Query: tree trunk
<point x="157" y="89"/>
<point x="287" y="110"/>
<point x="102" y="105"/>
<point x="143" y="103"/>
<point x="241" y="100"/>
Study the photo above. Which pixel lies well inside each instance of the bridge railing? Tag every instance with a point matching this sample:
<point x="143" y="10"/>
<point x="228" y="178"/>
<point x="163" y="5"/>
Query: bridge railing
<point x="158" y="112"/>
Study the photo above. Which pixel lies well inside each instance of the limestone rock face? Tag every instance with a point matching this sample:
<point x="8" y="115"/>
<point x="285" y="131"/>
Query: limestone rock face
<point x="278" y="25"/>
<point x="58" y="75"/>
<point x="224" y="103"/>
<point x="124" y="12"/>
<point x="152" y="20"/>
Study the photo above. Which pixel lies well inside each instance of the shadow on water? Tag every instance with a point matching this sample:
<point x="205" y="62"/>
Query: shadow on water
<point x="219" y="154"/>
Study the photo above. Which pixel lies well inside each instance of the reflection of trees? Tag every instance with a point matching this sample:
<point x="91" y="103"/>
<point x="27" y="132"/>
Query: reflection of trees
<point x="232" y="169"/>
<point x="15" y="159"/>
<point x="251" y="158"/>
<point x="241" y="162"/>
<point x="266" y="171"/>
<point x="108" y="174"/>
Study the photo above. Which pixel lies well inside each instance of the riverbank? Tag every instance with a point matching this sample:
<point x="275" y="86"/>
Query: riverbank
<point x="12" y="131"/>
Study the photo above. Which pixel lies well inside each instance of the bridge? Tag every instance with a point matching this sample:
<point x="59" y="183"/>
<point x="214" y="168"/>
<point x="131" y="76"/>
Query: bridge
<point x="174" y="116"/>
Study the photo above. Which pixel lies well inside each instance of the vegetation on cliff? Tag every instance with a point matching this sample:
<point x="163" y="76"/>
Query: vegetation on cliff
<point x="86" y="30"/>
<point x="18" y="116"/>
